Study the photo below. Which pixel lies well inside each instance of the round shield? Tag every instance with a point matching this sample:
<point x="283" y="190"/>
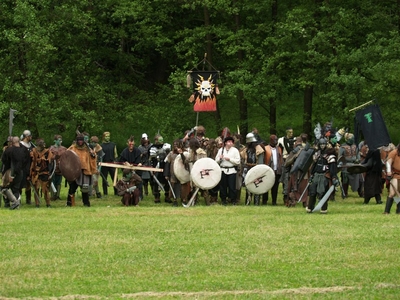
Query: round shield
<point x="205" y="173"/>
<point x="180" y="172"/>
<point x="259" y="179"/>
<point x="70" y="165"/>
<point x="356" y="169"/>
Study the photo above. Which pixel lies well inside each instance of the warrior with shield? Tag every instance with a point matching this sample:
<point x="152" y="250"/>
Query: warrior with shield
<point x="41" y="170"/>
<point x="274" y="159"/>
<point x="172" y="169"/>
<point x="251" y="155"/>
<point x="323" y="175"/>
<point x="196" y="153"/>
<point x="299" y="161"/>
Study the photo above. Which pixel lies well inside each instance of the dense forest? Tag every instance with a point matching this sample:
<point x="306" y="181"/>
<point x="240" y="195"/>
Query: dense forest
<point x="121" y="65"/>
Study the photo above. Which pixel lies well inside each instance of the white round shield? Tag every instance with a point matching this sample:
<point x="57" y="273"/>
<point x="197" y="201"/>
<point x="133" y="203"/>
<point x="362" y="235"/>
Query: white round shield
<point x="259" y="179"/>
<point x="181" y="173"/>
<point x="205" y="173"/>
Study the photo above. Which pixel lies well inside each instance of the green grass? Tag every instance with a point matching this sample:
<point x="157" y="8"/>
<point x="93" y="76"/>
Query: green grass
<point x="234" y="252"/>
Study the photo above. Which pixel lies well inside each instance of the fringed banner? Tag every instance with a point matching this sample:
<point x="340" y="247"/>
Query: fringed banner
<point x="205" y="89"/>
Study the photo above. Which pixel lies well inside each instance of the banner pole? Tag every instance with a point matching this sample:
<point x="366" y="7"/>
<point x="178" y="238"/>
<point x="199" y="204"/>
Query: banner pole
<point x="362" y="105"/>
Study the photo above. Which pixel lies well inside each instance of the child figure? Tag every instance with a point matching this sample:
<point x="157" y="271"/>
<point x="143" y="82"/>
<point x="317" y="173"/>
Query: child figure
<point x="127" y="188"/>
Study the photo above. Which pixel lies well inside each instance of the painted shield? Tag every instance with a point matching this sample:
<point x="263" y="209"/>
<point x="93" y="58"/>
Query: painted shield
<point x="181" y="173"/>
<point x="205" y="173"/>
<point x="259" y="179"/>
<point x="70" y="165"/>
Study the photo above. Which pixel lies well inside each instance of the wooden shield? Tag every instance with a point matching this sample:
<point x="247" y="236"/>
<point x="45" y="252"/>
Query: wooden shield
<point x="205" y="173"/>
<point x="181" y="173"/>
<point x="259" y="179"/>
<point x="70" y="165"/>
<point x="357" y="169"/>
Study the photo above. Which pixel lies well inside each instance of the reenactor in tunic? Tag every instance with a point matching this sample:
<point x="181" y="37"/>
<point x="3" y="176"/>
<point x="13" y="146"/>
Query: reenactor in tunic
<point x="88" y="167"/>
<point x="42" y="167"/>
<point x="251" y="155"/>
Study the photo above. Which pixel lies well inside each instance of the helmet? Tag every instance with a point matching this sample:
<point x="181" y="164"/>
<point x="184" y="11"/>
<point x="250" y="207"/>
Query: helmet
<point x="250" y="138"/>
<point x="27" y="133"/>
<point x="321" y="142"/>
<point x="166" y="147"/>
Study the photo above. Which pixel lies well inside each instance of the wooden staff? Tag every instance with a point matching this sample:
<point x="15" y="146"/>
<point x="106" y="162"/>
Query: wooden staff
<point x="132" y="167"/>
<point x="115" y="176"/>
<point x="362" y="105"/>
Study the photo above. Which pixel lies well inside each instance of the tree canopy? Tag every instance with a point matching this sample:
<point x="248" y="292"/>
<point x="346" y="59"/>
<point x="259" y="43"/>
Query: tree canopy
<point x="121" y="65"/>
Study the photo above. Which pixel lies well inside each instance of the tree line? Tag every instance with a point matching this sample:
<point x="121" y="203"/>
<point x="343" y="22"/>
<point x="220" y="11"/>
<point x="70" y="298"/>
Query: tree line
<point x="121" y="65"/>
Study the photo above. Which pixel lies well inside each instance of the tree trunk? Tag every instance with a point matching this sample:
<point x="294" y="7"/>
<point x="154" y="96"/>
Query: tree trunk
<point x="307" y="126"/>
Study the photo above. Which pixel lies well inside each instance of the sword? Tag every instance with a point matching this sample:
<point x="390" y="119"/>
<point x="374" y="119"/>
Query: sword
<point x="34" y="190"/>
<point x="342" y="189"/>
<point x="191" y="201"/>
<point x="171" y="189"/>
<point x="53" y="188"/>
<point x="157" y="181"/>
<point x="302" y="194"/>
<point x="324" y="199"/>
<point x="104" y="178"/>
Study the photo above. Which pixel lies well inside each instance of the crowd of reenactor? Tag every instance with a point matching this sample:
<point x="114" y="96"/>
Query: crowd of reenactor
<point x="308" y="171"/>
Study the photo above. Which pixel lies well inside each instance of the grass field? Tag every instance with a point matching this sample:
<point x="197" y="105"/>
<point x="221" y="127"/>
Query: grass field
<point x="154" y="251"/>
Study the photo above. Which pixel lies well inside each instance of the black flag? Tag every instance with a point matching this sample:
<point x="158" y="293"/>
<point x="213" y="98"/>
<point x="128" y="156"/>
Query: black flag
<point x="370" y="121"/>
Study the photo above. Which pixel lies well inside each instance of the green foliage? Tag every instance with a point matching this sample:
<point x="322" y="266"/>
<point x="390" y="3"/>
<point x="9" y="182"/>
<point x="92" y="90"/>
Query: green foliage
<point x="122" y="65"/>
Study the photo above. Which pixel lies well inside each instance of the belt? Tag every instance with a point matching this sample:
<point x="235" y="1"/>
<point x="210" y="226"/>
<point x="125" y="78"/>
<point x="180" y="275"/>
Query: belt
<point x="227" y="167"/>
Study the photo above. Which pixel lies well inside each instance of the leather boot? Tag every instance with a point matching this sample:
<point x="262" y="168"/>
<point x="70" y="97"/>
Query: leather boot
<point x="85" y="199"/>
<point x="207" y="198"/>
<point x="58" y="187"/>
<point x="71" y="200"/>
<point x="286" y="200"/>
<point x="389" y="203"/>
<point x="311" y="203"/>
<point x="105" y="190"/>
<point x="238" y="195"/>
<point x="345" y="188"/>
<point x="265" y="198"/>
<point x="28" y="195"/>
